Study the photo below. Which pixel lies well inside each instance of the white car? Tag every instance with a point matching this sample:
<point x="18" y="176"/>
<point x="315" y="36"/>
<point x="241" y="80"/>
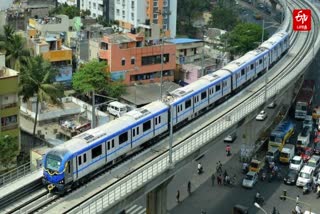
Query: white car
<point x="296" y="163"/>
<point x="250" y="179"/>
<point x="272" y="105"/>
<point x="261" y="116"/>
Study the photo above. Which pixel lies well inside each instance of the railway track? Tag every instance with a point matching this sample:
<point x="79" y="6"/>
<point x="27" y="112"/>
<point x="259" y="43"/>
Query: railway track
<point x="42" y="201"/>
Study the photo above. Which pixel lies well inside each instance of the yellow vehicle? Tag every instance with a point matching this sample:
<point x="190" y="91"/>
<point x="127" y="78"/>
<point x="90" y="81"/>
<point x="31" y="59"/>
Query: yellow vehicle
<point x="316" y="113"/>
<point x="281" y="134"/>
<point x="255" y="165"/>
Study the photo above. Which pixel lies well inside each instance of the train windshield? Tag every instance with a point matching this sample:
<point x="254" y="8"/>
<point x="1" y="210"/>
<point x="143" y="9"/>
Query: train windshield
<point x="53" y="162"/>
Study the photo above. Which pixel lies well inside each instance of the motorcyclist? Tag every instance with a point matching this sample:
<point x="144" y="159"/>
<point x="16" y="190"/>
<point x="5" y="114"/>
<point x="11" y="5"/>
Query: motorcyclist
<point x="257" y="197"/>
<point x="200" y="169"/>
<point x="298" y="209"/>
<point x="245" y="167"/>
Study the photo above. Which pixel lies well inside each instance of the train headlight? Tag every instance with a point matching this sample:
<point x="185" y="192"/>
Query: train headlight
<point x="61" y="182"/>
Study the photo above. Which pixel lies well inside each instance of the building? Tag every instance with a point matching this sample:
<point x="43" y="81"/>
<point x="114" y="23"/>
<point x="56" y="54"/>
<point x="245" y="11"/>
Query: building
<point x="9" y="102"/>
<point x="68" y="2"/>
<point x="104" y="8"/>
<point x="59" y="55"/>
<point x="134" y="14"/>
<point x="132" y="58"/>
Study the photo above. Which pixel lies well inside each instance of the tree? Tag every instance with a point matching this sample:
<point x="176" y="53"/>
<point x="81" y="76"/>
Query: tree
<point x="14" y="46"/>
<point x="220" y="20"/>
<point x="70" y="11"/>
<point x="93" y="76"/>
<point x="245" y="37"/>
<point x="36" y="79"/>
<point x="9" y="149"/>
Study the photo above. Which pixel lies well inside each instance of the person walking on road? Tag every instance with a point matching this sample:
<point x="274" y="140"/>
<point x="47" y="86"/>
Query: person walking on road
<point x="228" y="150"/>
<point x="178" y="196"/>
<point x="212" y="179"/>
<point x="219" y="167"/>
<point x="219" y="179"/>
<point x="189" y="188"/>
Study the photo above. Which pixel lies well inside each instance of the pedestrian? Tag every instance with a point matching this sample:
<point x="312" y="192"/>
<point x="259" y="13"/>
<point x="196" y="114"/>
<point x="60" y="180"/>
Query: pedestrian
<point x="228" y="150"/>
<point x="189" y="188"/>
<point x="225" y="173"/>
<point x="178" y="196"/>
<point x="297" y="199"/>
<point x="219" y="167"/>
<point x="212" y="179"/>
<point x="219" y="179"/>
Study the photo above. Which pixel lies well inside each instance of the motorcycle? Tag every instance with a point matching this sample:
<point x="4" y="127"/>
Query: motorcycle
<point x="263" y="176"/>
<point x="307" y="188"/>
<point x="259" y="200"/>
<point x="200" y="170"/>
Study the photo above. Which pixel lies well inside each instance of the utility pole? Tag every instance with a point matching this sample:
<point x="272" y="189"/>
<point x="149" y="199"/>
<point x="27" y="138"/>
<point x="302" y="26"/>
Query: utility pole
<point x="171" y="134"/>
<point x="202" y="55"/>
<point x="93" y="119"/>
<point x="262" y="36"/>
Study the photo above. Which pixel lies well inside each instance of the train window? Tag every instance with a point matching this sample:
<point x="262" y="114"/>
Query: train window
<point x="95" y="152"/>
<point x="134" y="132"/>
<point x="123" y="137"/>
<point x="187" y="104"/>
<point x="108" y="145"/>
<point x="218" y="87"/>
<point x="79" y="160"/>
<point x="137" y="130"/>
<point x="242" y="72"/>
<point x="252" y="66"/>
<point x="112" y="143"/>
<point x="146" y="126"/>
<point x="84" y="158"/>
<point x="159" y="119"/>
<point x="69" y="167"/>
<point x="178" y="109"/>
<point x="203" y="95"/>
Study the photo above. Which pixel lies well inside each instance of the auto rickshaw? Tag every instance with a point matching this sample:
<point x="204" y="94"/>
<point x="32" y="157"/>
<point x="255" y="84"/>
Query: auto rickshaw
<point x="255" y="165"/>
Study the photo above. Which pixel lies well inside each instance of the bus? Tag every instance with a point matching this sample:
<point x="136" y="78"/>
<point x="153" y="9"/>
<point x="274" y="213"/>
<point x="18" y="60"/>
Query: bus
<point x="281" y="134"/>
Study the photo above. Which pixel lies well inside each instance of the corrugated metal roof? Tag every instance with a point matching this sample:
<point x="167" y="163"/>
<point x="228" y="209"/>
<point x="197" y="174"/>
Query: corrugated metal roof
<point x="183" y="40"/>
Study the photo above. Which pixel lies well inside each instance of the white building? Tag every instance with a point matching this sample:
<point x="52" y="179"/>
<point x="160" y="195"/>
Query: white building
<point x="69" y="2"/>
<point x="132" y="14"/>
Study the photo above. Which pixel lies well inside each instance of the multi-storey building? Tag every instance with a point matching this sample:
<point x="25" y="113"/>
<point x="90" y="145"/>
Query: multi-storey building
<point x="132" y="58"/>
<point x="133" y="14"/>
<point x="9" y="102"/>
<point x="98" y="8"/>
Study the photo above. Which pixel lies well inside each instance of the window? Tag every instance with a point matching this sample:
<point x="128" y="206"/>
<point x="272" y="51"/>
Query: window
<point x="137" y="130"/>
<point x="260" y="61"/>
<point x="187" y="104"/>
<point x="95" y="152"/>
<point x="84" y="158"/>
<point x="132" y="16"/>
<point x="79" y="160"/>
<point x="155" y="4"/>
<point x="134" y="132"/>
<point x="156" y="120"/>
<point x="203" y="95"/>
<point x="123" y="61"/>
<point x="133" y="60"/>
<point x="118" y="12"/>
<point x="112" y="143"/>
<point x="146" y="126"/>
<point x="108" y="145"/>
<point x="252" y="66"/>
<point x="10" y="121"/>
<point x="69" y="167"/>
<point x="156" y="59"/>
<point x="242" y="72"/>
<point x="123" y="137"/>
<point x="159" y="119"/>
<point x="218" y="87"/>
<point x="94" y="5"/>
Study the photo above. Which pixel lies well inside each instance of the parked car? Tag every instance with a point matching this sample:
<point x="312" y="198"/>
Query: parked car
<point x="305" y="176"/>
<point x="272" y="105"/>
<point x="296" y="163"/>
<point x="317" y="149"/>
<point x="291" y="177"/>
<point x="250" y="180"/>
<point x="306" y="154"/>
<point x="230" y="138"/>
<point x="261" y="116"/>
<point x="314" y="162"/>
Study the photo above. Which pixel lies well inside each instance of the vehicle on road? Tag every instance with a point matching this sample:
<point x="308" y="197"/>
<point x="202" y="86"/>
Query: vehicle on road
<point x="316" y="113"/>
<point x="314" y="162"/>
<point x="308" y="122"/>
<point x="304" y="99"/>
<point x="255" y="165"/>
<point x="272" y="105"/>
<point x="250" y="179"/>
<point x="306" y="153"/>
<point x="291" y="177"/>
<point x="316" y="137"/>
<point x="296" y="163"/>
<point x="287" y="153"/>
<point x="230" y="138"/>
<point x="317" y="149"/>
<point x="303" y="138"/>
<point x="272" y="155"/>
<point x="305" y="176"/>
<point x="281" y="134"/>
<point x="261" y="116"/>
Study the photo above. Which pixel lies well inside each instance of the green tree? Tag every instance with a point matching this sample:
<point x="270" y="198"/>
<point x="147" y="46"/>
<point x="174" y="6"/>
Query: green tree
<point x="93" y="76"/>
<point x="8" y="32"/>
<point x="220" y="20"/>
<point x="36" y="79"/>
<point x="245" y="37"/>
<point x="70" y="11"/>
<point x="9" y="149"/>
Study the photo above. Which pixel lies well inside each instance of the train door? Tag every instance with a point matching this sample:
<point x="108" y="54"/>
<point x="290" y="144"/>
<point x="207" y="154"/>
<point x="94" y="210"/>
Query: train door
<point x="68" y="172"/>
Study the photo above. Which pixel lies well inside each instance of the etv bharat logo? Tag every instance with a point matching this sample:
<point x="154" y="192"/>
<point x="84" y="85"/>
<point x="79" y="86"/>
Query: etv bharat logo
<point x="302" y="20"/>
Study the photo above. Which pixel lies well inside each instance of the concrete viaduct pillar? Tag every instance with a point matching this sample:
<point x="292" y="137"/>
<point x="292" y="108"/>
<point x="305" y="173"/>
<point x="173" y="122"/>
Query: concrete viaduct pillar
<point x="157" y="199"/>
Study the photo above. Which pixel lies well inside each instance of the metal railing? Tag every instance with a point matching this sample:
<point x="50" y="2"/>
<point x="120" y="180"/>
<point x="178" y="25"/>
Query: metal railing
<point x="14" y="174"/>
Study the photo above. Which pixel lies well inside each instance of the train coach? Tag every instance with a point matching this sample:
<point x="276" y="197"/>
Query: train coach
<point x="74" y="161"/>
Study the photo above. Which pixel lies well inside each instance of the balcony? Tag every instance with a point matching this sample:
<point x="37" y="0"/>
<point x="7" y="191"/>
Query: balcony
<point x="6" y="106"/>
<point x="9" y="127"/>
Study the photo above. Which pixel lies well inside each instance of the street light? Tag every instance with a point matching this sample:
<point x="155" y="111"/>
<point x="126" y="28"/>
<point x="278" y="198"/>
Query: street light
<point x="259" y="207"/>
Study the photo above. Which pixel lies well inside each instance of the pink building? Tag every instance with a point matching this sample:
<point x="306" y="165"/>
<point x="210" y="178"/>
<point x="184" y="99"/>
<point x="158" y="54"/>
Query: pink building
<point x="132" y="58"/>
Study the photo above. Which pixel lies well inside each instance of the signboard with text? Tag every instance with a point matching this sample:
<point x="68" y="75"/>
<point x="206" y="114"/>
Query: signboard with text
<point x="301" y="19"/>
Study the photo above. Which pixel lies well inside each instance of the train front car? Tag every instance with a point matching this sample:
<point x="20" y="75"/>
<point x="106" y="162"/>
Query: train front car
<point x="57" y="174"/>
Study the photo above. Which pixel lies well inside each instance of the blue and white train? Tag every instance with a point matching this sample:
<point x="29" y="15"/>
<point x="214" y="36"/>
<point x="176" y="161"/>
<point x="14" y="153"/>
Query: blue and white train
<point x="74" y="161"/>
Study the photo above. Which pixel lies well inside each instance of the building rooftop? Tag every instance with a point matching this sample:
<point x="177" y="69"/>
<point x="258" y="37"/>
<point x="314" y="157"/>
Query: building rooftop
<point x="7" y="72"/>
<point x="183" y="40"/>
<point x="119" y="38"/>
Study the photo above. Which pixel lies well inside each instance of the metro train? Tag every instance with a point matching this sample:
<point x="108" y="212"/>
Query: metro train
<point x="74" y="161"/>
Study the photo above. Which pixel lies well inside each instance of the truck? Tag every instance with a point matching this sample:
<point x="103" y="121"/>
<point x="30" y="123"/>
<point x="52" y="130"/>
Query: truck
<point x="304" y="99"/>
<point x="287" y="153"/>
<point x="303" y="138"/>
<point x="281" y="134"/>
